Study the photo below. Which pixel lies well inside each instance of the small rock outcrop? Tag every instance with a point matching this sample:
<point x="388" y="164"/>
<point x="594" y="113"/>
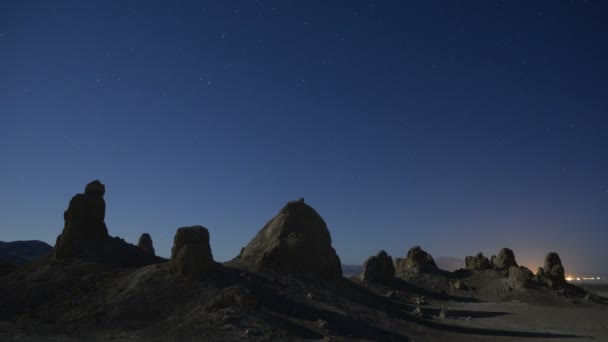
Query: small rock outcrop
<point x="84" y="221"/>
<point x="552" y="273"/>
<point x="191" y="254"/>
<point x="416" y="261"/>
<point x="296" y="241"/>
<point x="233" y="297"/>
<point x="378" y="268"/>
<point x="145" y="243"/>
<point x="505" y="260"/>
<point x="477" y="263"/>
<point x="519" y="277"/>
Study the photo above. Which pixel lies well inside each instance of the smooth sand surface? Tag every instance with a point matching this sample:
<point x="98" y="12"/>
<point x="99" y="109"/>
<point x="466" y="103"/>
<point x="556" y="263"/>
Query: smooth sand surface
<point x="531" y="322"/>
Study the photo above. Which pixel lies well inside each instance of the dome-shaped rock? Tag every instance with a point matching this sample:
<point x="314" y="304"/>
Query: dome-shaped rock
<point x="296" y="241"/>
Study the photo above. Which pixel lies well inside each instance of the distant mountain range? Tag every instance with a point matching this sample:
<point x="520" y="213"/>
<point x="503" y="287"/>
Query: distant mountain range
<point x="22" y="252"/>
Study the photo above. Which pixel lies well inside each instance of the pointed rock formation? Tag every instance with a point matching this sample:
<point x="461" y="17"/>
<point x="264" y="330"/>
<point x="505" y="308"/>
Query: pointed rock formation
<point x="417" y="261"/>
<point x="477" y="263"/>
<point x="296" y="241"/>
<point x="379" y="268"/>
<point x="191" y="254"/>
<point x="505" y="260"/>
<point x="84" y="221"/>
<point x="145" y="243"/>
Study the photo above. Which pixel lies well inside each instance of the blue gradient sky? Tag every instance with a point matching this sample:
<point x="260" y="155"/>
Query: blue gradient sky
<point x="458" y="126"/>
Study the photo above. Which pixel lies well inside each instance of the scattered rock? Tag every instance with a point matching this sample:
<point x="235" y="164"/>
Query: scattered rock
<point x="379" y="268"/>
<point x="505" y="260"/>
<point x="236" y="296"/>
<point x="519" y="277"/>
<point x="477" y="263"/>
<point x="417" y="261"/>
<point x="420" y="300"/>
<point x="392" y="294"/>
<point x="459" y="285"/>
<point x="84" y="221"/>
<point x="191" y="254"/>
<point x="145" y="243"/>
<point x="296" y="241"/>
<point x="592" y="297"/>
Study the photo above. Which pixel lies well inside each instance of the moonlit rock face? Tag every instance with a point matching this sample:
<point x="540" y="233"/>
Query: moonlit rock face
<point x="519" y="277"/>
<point x="417" y="261"/>
<point x="296" y="241"/>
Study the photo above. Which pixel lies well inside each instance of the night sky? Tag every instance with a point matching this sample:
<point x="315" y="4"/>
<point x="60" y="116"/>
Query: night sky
<point x="458" y="126"/>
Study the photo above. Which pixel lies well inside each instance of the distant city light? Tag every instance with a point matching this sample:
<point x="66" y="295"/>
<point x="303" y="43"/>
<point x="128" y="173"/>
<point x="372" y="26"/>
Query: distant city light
<point x="571" y="278"/>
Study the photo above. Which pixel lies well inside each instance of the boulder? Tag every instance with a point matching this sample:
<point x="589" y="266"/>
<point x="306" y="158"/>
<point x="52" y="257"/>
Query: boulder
<point x="477" y="263"/>
<point x="296" y="241"/>
<point x="505" y="260"/>
<point x="84" y="221"/>
<point x="519" y="277"/>
<point x="191" y="254"/>
<point x="145" y="243"/>
<point x="379" y="268"/>
<point x="416" y="261"/>
<point x="553" y="266"/>
<point x="552" y="274"/>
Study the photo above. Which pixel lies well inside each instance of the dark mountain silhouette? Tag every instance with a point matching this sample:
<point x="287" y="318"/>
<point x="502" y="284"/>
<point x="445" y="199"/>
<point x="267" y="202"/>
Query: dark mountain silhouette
<point x="22" y="252"/>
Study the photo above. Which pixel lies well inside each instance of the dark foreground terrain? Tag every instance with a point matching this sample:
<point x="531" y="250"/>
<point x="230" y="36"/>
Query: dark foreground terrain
<point x="56" y="300"/>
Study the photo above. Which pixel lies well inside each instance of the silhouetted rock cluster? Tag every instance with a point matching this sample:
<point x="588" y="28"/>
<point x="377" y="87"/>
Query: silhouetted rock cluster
<point x="85" y="235"/>
<point x="416" y="261"/>
<point x="296" y="241"/>
<point x="378" y="268"/>
<point x="552" y="273"/>
<point x="84" y="221"/>
<point x="145" y="243"/>
<point x="191" y="254"/>
<point x="477" y="263"/>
